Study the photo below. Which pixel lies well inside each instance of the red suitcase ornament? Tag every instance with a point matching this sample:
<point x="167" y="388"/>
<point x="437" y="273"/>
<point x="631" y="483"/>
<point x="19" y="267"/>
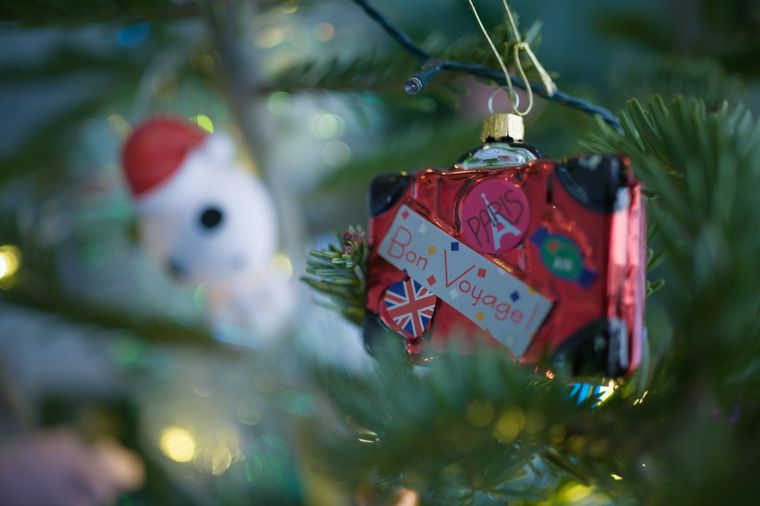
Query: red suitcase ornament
<point x="547" y="256"/>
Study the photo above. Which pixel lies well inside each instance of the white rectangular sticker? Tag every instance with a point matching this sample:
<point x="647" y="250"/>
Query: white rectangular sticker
<point x="485" y="293"/>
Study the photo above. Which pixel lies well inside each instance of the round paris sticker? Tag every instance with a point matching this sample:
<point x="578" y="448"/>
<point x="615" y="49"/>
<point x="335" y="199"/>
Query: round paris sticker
<point x="495" y="216"/>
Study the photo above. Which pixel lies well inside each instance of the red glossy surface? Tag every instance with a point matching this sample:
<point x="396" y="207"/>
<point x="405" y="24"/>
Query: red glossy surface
<point x="612" y="246"/>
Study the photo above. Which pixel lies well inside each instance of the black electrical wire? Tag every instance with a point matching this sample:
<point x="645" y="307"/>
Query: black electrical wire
<point x="433" y="66"/>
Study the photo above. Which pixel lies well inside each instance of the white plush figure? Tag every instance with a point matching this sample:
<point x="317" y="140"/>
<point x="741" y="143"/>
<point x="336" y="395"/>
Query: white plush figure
<point x="208" y="221"/>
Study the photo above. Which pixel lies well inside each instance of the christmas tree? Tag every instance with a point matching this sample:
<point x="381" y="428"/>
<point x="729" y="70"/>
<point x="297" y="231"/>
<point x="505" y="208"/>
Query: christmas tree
<point x="317" y="99"/>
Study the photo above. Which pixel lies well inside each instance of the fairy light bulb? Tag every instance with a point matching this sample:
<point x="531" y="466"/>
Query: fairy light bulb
<point x="10" y="261"/>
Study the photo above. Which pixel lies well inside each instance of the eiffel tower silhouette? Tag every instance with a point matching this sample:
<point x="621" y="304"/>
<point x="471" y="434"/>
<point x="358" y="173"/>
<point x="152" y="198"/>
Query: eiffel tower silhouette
<point x="500" y="226"/>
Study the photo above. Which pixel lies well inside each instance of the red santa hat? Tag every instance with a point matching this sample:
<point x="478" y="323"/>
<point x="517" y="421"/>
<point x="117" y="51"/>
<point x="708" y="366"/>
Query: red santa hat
<point x="156" y="150"/>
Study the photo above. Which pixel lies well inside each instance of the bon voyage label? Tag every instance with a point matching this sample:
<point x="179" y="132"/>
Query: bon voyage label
<point x="480" y="290"/>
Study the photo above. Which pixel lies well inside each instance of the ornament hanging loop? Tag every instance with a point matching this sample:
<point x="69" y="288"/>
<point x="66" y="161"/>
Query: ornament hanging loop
<point x="504" y="125"/>
<point x="514" y="96"/>
<point x="518" y="46"/>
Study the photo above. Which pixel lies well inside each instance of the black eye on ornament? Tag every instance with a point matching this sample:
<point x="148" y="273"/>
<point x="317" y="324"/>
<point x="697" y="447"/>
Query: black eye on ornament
<point x="211" y="217"/>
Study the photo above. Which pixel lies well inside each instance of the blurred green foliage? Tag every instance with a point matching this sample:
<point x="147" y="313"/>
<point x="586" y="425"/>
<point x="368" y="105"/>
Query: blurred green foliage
<point x="53" y="12"/>
<point x="724" y="31"/>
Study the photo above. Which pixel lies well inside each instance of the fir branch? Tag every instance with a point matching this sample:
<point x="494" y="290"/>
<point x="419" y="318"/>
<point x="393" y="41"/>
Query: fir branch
<point x="53" y="300"/>
<point x="47" y="12"/>
<point x="339" y="272"/>
<point x="672" y="76"/>
<point x="382" y="71"/>
<point x="470" y="48"/>
<point x="433" y="66"/>
<point x="470" y="429"/>
<point x="368" y="71"/>
<point x="37" y="287"/>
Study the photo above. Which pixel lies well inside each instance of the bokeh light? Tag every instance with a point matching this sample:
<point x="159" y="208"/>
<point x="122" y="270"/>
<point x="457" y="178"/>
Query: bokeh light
<point x="270" y="37"/>
<point x="204" y="62"/>
<point x="557" y="434"/>
<point x="509" y="425"/>
<point x="407" y="497"/>
<point x="249" y="411"/>
<point x="336" y="153"/>
<point x="221" y="461"/>
<point x="574" y="492"/>
<point x="177" y="444"/>
<point x="327" y="126"/>
<point x="324" y="32"/>
<point x="290" y="7"/>
<point x="606" y="391"/>
<point x="280" y="103"/>
<point x="218" y="454"/>
<point x="479" y="413"/>
<point x="281" y="263"/>
<point x="202" y="390"/>
<point x="119" y="125"/>
<point x="204" y="122"/>
<point x="298" y="403"/>
<point x="640" y="400"/>
<point x="10" y="261"/>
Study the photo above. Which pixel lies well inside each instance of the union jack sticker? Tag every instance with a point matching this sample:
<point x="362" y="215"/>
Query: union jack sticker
<point x="408" y="307"/>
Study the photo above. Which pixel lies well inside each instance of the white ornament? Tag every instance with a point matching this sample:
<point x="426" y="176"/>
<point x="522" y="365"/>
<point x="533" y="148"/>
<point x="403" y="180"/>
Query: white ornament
<point x="211" y="223"/>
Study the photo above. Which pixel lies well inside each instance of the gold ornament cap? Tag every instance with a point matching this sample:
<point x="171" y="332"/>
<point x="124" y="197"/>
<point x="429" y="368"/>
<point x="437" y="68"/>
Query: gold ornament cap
<point x="503" y="125"/>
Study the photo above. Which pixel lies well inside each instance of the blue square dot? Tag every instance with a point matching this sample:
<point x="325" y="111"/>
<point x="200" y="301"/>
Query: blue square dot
<point x="515" y="296"/>
<point x="454" y="246"/>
